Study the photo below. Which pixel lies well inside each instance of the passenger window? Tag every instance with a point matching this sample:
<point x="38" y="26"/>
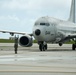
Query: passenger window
<point x="47" y="24"/>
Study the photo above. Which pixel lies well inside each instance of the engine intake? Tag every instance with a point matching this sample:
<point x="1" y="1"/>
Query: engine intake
<point x="26" y="41"/>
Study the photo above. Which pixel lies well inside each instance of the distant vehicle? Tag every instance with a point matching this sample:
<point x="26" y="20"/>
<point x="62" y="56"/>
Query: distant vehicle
<point x="50" y="30"/>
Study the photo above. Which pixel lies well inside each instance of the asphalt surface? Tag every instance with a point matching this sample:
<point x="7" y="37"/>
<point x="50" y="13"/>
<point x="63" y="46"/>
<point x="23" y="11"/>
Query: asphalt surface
<point x="30" y="61"/>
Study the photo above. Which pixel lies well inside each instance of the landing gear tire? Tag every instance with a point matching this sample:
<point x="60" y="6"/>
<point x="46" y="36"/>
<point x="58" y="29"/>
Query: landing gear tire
<point x="45" y="47"/>
<point x="73" y="47"/>
<point x="42" y="47"/>
<point x="60" y="44"/>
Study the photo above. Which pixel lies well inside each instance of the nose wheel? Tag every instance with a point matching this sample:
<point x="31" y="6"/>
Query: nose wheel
<point x="73" y="46"/>
<point x="42" y="46"/>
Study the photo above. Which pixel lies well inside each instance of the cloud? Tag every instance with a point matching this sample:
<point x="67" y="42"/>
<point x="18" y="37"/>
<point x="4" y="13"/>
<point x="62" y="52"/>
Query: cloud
<point x="15" y="4"/>
<point x="15" y="18"/>
<point x="20" y="15"/>
<point x="34" y="4"/>
<point x="37" y="7"/>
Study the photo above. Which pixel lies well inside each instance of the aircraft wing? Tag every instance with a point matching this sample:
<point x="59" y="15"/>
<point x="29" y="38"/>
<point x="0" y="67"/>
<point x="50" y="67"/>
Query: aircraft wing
<point x="68" y="38"/>
<point x="14" y="32"/>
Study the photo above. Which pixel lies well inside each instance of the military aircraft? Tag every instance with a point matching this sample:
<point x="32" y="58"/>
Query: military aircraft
<point x="50" y="30"/>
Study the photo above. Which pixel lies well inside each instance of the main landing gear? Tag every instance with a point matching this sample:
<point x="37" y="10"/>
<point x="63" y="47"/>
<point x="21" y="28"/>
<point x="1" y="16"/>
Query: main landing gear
<point x="42" y="46"/>
<point x="73" y="46"/>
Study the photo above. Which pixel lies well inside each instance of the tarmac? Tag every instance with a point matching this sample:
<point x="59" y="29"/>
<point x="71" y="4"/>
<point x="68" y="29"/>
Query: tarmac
<point x="30" y="61"/>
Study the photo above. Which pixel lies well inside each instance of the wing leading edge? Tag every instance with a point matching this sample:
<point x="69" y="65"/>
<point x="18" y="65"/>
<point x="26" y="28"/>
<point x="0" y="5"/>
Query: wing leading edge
<point x="14" y="32"/>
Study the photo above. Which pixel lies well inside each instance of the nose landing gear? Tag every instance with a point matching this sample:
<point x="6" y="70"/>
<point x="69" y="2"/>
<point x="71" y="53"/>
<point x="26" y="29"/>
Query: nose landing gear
<point x="42" y="46"/>
<point x="73" y="46"/>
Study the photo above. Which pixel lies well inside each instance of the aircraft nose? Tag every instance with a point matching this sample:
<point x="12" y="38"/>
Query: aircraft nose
<point x="37" y="32"/>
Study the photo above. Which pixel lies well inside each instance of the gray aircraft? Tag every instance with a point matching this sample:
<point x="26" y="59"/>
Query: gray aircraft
<point x="50" y="30"/>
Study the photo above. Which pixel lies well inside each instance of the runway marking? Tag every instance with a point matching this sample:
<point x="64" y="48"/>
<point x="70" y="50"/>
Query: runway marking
<point x="19" y="71"/>
<point x="46" y="69"/>
<point x="36" y="66"/>
<point x="31" y="60"/>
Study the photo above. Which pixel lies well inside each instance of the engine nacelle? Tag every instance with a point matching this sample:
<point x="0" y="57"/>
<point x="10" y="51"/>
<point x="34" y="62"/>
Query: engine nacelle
<point x="26" y="41"/>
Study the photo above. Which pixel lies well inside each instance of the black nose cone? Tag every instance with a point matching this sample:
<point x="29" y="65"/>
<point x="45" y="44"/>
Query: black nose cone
<point x="37" y="32"/>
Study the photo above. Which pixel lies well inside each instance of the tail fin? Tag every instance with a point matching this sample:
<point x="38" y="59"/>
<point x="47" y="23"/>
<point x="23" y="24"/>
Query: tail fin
<point x="72" y="17"/>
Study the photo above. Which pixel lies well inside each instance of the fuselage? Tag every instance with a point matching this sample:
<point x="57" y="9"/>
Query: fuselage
<point x="52" y="30"/>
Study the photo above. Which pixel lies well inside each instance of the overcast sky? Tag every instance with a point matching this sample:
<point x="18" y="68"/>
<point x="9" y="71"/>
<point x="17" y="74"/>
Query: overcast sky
<point x="20" y="15"/>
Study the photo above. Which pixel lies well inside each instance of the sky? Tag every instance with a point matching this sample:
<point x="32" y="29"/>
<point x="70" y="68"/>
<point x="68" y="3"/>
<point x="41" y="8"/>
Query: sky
<point x="20" y="15"/>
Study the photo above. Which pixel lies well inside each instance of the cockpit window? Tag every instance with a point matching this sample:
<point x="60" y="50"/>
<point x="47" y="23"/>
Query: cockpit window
<point x="45" y="24"/>
<point x="42" y="24"/>
<point x="36" y="23"/>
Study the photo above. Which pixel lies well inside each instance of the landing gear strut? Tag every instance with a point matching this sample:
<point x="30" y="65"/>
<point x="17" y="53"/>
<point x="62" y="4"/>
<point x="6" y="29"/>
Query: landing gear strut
<point x="73" y="46"/>
<point x="42" y="46"/>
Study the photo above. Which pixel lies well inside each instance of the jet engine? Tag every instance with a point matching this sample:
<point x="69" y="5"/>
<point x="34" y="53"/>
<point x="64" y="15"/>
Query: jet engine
<point x="26" y="41"/>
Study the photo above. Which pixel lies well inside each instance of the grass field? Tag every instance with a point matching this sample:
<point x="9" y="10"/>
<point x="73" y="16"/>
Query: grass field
<point x="12" y="41"/>
<point x="6" y="41"/>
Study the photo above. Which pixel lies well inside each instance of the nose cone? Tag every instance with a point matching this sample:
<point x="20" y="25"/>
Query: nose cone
<point x="37" y="32"/>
